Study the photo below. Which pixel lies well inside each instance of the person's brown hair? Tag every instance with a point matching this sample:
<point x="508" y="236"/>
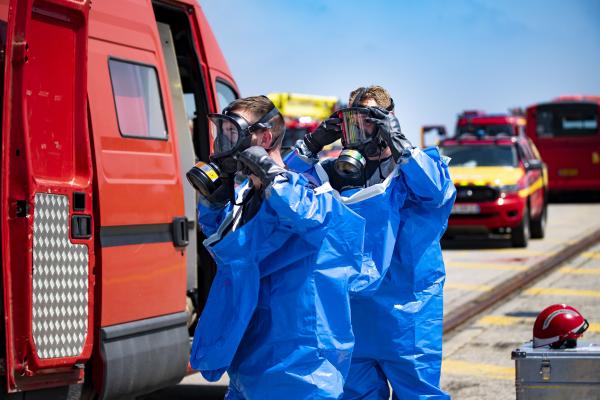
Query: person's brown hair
<point x="259" y="106"/>
<point x="378" y="93"/>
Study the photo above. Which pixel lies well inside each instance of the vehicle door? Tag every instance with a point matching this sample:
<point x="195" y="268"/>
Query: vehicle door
<point x="47" y="197"/>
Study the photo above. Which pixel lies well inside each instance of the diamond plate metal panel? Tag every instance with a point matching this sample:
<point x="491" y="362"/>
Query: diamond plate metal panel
<point x="60" y="281"/>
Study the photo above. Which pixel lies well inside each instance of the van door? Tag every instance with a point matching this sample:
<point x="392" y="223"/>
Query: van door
<point x="141" y="277"/>
<point x="47" y="225"/>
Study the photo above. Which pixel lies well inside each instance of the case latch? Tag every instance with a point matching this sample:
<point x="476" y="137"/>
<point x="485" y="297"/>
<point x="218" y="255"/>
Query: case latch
<point x="545" y="370"/>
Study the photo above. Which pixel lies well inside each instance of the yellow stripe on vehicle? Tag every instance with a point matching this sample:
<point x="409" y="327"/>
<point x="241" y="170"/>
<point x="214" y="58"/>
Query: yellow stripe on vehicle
<point x="456" y="367"/>
<point x="491" y="266"/>
<point x="561" y="292"/>
<point x="531" y="188"/>
<point x="468" y="287"/>
<point x="504" y="320"/>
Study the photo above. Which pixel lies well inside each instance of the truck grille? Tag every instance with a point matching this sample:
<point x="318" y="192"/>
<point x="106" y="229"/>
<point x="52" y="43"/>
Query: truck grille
<point x="476" y="194"/>
<point x="60" y="281"/>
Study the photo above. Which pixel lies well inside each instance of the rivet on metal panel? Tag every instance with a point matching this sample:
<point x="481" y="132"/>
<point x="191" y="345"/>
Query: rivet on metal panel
<point x="545" y="370"/>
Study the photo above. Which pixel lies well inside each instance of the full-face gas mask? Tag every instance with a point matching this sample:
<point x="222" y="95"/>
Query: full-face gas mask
<point x="232" y="134"/>
<point x="360" y="138"/>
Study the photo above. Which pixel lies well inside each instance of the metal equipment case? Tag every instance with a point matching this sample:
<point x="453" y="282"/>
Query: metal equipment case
<point x="547" y="374"/>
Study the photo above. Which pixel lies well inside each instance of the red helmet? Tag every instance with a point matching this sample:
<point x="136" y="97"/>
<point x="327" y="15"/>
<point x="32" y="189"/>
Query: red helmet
<point x="557" y="324"/>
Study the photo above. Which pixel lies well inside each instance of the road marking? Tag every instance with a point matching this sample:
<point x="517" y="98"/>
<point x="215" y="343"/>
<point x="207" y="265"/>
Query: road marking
<point x="534" y="291"/>
<point x="504" y="320"/>
<point x="455" y="367"/>
<point x="468" y="286"/>
<point x="590" y="254"/>
<point x="520" y="251"/>
<point x="580" y="271"/>
<point x="492" y="266"/>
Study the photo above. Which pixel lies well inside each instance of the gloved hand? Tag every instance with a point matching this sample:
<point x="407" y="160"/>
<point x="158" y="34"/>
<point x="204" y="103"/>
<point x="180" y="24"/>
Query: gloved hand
<point x="327" y="132"/>
<point x="222" y="194"/>
<point x="389" y="129"/>
<point x="259" y="164"/>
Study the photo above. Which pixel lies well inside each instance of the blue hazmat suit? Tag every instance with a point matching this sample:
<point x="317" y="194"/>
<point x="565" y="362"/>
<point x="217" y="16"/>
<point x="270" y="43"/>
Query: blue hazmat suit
<point x="277" y="318"/>
<point x="397" y="321"/>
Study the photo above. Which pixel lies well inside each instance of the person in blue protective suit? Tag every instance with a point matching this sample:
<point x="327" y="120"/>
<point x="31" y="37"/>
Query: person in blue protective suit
<point x="277" y="318"/>
<point x="398" y="323"/>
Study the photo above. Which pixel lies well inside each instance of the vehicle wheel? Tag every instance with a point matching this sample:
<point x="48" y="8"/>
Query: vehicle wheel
<point x="520" y="235"/>
<point x="538" y="225"/>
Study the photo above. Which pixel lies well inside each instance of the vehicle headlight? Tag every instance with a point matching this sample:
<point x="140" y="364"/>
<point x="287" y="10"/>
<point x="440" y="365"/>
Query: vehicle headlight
<point x="507" y="189"/>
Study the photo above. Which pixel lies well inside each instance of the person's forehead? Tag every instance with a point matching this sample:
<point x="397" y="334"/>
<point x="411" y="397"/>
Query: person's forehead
<point x="246" y="114"/>
<point x="369" y="102"/>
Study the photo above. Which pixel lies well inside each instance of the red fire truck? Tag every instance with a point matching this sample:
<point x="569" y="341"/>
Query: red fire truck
<point x="478" y="123"/>
<point x="567" y="133"/>
<point x="103" y="111"/>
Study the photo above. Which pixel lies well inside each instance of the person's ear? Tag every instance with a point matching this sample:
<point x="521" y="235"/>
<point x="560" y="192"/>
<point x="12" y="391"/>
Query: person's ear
<point x="266" y="139"/>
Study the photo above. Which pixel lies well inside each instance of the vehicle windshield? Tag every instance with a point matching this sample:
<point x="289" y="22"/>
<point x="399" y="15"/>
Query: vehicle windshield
<point x="481" y="155"/>
<point x="485" y="130"/>
<point x="567" y="120"/>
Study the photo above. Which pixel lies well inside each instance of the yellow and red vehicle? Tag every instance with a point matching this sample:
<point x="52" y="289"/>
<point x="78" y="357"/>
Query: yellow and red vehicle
<point x="104" y="109"/>
<point x="567" y="132"/>
<point x="501" y="187"/>
<point x="303" y="113"/>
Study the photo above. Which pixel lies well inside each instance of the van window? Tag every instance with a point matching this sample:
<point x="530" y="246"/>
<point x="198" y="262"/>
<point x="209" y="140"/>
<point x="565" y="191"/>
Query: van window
<point x="225" y="95"/>
<point x="137" y="100"/>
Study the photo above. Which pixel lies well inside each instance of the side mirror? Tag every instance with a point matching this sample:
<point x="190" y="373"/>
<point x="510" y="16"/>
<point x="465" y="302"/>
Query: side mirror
<point x="533" y="164"/>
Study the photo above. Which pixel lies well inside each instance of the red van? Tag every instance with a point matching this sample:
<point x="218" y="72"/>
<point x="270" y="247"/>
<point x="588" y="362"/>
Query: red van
<point x="104" y="109"/>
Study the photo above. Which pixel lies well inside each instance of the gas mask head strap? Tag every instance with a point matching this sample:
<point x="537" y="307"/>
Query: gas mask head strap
<point x="359" y="96"/>
<point x="264" y="123"/>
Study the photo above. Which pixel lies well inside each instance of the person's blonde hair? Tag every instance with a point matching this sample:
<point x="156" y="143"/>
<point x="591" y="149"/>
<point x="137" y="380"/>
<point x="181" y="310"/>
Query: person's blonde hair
<point x="378" y="93"/>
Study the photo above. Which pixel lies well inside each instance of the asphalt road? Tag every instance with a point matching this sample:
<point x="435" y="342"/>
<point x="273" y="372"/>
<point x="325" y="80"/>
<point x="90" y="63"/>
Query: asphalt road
<point x="477" y="361"/>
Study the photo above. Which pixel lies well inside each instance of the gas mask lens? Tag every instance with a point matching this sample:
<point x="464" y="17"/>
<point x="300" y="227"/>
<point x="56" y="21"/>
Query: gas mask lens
<point x="226" y="133"/>
<point x="356" y="129"/>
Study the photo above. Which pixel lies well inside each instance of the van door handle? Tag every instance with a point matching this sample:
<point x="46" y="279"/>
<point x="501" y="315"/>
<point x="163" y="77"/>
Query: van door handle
<point x="179" y="229"/>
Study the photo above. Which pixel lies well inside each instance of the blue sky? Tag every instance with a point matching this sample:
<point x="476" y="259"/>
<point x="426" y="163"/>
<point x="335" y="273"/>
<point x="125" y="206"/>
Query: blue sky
<point x="435" y="57"/>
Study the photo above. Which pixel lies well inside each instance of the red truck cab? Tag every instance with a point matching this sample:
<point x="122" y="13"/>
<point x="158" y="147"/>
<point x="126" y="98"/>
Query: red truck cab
<point x="104" y="110"/>
<point x="478" y="123"/>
